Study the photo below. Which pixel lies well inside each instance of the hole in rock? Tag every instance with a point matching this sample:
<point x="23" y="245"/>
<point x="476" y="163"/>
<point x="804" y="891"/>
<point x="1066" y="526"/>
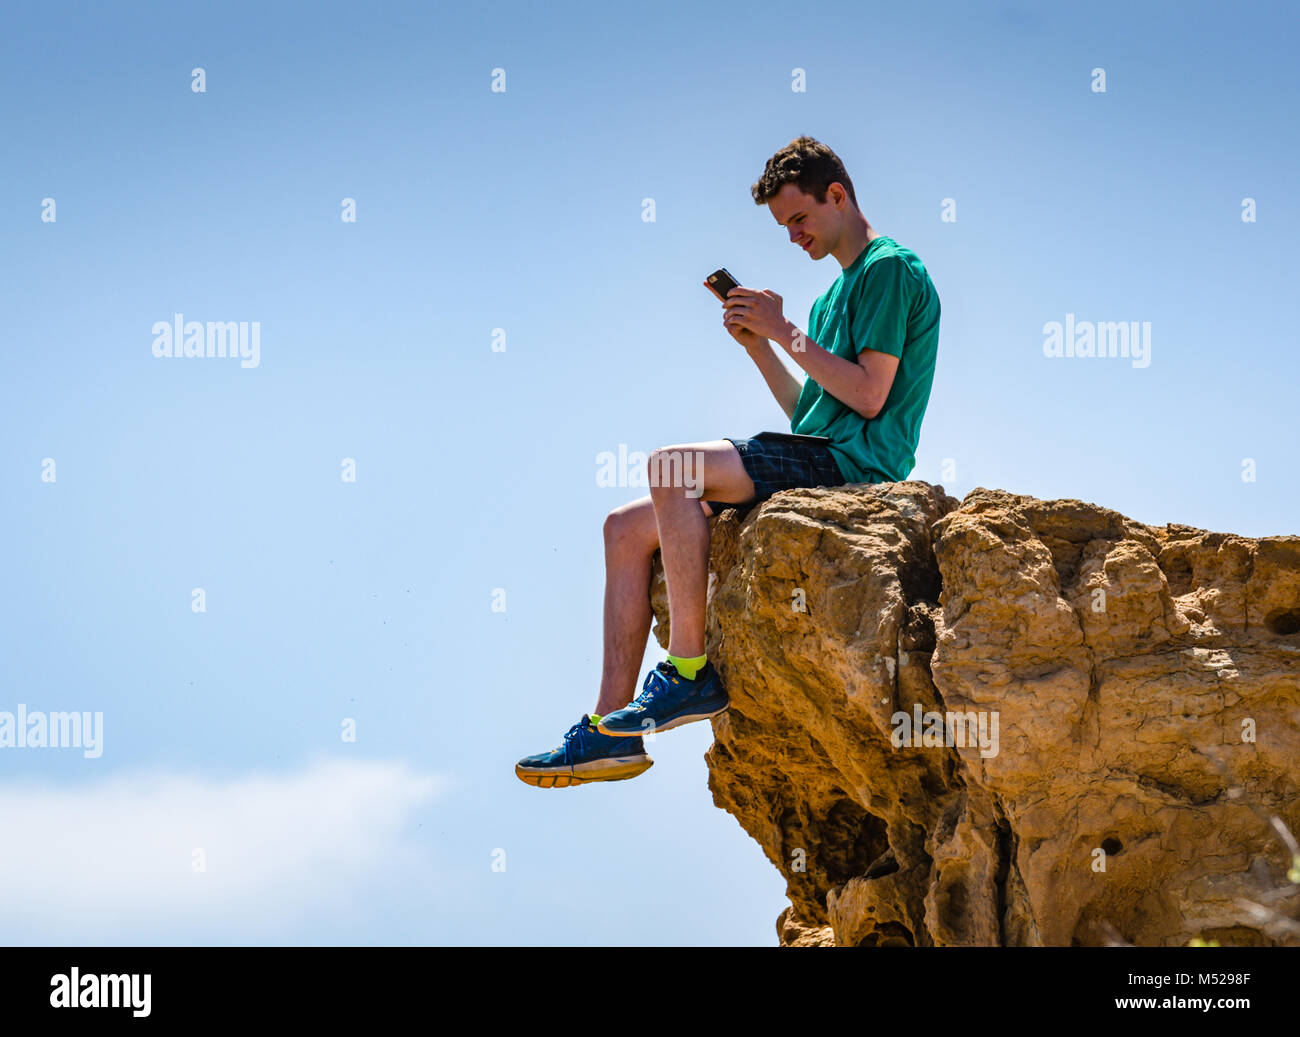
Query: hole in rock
<point x="888" y="934"/>
<point x="1178" y="573"/>
<point x="885" y="864"/>
<point x="851" y="839"/>
<point x="1285" y="622"/>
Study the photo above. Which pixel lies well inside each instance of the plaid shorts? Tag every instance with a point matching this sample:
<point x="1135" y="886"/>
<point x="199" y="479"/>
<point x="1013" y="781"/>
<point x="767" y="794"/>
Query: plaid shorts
<point x="775" y="465"/>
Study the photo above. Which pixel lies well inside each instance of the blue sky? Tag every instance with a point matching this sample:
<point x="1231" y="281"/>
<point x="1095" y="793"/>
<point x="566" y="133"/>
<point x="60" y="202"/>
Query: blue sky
<point x="476" y="469"/>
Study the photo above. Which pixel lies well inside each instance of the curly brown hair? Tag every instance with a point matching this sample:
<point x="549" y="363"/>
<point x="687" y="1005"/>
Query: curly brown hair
<point x="808" y="164"/>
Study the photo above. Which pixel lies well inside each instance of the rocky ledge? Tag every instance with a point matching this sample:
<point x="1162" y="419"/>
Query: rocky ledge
<point x="1006" y="721"/>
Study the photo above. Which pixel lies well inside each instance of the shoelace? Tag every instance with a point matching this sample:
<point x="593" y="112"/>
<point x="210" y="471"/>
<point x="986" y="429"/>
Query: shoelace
<point x="577" y="733"/>
<point x="656" y="680"/>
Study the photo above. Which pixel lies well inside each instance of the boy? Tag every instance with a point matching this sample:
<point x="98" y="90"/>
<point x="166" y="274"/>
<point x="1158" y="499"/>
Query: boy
<point x="869" y="355"/>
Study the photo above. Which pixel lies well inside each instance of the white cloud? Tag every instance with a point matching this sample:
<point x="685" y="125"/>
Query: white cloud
<point x="113" y="859"/>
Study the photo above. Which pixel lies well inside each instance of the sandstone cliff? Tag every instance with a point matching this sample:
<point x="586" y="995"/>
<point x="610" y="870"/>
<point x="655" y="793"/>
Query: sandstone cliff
<point x="1109" y="718"/>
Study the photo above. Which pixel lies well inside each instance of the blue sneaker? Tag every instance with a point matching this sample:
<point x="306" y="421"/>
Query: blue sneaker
<point x="584" y="755"/>
<point x="668" y="700"/>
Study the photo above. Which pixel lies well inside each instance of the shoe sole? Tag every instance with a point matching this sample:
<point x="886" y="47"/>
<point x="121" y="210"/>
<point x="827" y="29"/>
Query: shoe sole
<point x="666" y="726"/>
<point x="614" y="768"/>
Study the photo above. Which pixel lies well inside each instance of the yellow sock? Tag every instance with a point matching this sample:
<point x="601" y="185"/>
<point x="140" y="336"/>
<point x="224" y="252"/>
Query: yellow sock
<point x="688" y="668"/>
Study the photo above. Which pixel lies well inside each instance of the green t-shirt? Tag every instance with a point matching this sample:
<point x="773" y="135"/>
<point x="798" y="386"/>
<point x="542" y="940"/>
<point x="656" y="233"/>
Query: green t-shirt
<point x="883" y="300"/>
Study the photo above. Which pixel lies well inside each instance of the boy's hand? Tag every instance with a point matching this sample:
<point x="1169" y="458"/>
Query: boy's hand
<point x="758" y="312"/>
<point x="746" y="338"/>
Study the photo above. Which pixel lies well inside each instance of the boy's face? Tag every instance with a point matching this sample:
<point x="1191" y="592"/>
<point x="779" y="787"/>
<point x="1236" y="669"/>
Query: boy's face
<point x="814" y="227"/>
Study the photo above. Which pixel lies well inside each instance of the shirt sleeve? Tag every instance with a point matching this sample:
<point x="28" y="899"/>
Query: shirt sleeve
<point x="881" y="306"/>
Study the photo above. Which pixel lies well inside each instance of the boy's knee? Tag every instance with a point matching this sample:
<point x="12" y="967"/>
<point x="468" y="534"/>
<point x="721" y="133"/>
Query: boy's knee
<point x="677" y="469"/>
<point x="625" y="527"/>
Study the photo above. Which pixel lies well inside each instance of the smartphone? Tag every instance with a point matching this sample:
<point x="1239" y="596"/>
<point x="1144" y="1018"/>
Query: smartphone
<point x="721" y="282"/>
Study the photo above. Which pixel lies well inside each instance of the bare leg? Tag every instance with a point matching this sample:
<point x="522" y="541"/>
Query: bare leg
<point x="684" y="536"/>
<point x="631" y="537"/>
<point x="716" y="470"/>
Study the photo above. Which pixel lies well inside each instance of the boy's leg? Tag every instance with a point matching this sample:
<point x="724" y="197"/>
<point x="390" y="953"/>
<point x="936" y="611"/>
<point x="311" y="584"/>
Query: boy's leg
<point x="677" y="508"/>
<point x="631" y="537"/>
<point x="586" y="755"/>
<point x="681" y="476"/>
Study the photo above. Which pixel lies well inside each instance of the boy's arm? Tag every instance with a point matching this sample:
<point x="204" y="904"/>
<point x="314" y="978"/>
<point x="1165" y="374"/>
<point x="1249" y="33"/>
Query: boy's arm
<point x="785" y="387"/>
<point x="878" y="318"/>
<point x="862" y="386"/>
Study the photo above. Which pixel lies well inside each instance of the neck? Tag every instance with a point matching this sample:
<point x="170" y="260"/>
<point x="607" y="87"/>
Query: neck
<point x="857" y="236"/>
